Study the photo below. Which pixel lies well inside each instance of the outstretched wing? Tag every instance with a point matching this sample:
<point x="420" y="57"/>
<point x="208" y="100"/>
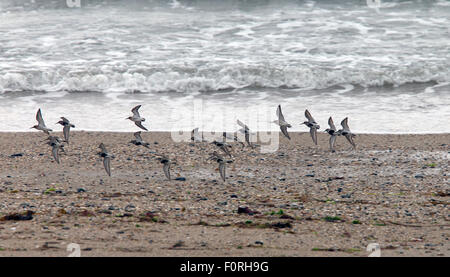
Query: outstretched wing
<point x="332" y="142"/>
<point x="166" y="169"/>
<point x="39" y="118"/>
<point x="135" y="111"/>
<point x="309" y="116"/>
<point x="138" y="137"/>
<point x="139" y="124"/>
<point x="107" y="164"/>
<point x="222" y="170"/>
<point x="280" y="114"/>
<point x="344" y="124"/>
<point x="55" y="153"/>
<point x="331" y="123"/>
<point x="66" y="131"/>
<point x="313" y="132"/>
<point x="285" y="132"/>
<point x="350" y="140"/>
<point x="102" y="147"/>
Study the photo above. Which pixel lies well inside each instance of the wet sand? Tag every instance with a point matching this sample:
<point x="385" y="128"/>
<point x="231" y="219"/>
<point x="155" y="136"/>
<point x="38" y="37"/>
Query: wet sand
<point x="301" y="200"/>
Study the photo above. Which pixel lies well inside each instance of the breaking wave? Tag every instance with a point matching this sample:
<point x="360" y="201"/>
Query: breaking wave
<point x="211" y="80"/>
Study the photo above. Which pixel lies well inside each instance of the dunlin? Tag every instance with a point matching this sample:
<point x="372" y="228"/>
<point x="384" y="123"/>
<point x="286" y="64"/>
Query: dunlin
<point x="138" y="140"/>
<point x="41" y="125"/>
<point x="313" y="126"/>
<point x="332" y="131"/>
<point x="136" y="118"/>
<point x="106" y="158"/>
<point x="345" y="131"/>
<point x="282" y="123"/>
<point x="66" y="130"/>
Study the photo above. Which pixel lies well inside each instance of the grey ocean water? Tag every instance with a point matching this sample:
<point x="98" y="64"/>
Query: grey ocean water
<point x="206" y="63"/>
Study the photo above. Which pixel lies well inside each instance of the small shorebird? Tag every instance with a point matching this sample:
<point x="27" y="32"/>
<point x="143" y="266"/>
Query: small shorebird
<point x="106" y="158"/>
<point x="166" y="165"/>
<point x="223" y="146"/>
<point x="139" y="141"/>
<point x="136" y="118"/>
<point x="347" y="133"/>
<point x="332" y="131"/>
<point x="67" y="125"/>
<point x="41" y="125"/>
<point x="282" y="123"/>
<point x="221" y="161"/>
<point x="56" y="145"/>
<point x="246" y="131"/>
<point x="313" y="126"/>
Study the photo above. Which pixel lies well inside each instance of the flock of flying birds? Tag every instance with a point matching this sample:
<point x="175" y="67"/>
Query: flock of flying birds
<point x="57" y="144"/>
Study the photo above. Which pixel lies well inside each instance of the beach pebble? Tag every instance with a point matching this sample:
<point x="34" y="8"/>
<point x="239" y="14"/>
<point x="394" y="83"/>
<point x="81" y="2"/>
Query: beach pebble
<point x="297" y="206"/>
<point x="245" y="210"/>
<point x="25" y="205"/>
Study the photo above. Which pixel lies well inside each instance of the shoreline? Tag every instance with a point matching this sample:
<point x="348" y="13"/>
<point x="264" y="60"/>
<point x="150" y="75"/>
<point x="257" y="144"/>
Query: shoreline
<point x="301" y="200"/>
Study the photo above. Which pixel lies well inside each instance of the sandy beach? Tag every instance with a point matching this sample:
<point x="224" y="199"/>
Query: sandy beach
<point x="301" y="200"/>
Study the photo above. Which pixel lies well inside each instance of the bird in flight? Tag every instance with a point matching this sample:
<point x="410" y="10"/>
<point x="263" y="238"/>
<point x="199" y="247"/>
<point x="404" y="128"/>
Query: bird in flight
<point x="138" y="140"/>
<point x="282" y="123"/>
<point x="136" y="118"/>
<point x="56" y="145"/>
<point x="221" y="161"/>
<point x="332" y="131"/>
<point x="166" y="165"/>
<point x="66" y="130"/>
<point x="106" y="158"/>
<point x="41" y="125"/>
<point x="345" y="131"/>
<point x="313" y="126"/>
